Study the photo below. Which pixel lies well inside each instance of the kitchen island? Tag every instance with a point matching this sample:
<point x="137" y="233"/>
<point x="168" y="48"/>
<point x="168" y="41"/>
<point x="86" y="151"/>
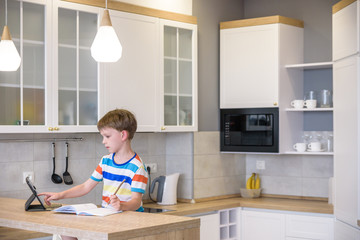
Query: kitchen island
<point x="125" y="225"/>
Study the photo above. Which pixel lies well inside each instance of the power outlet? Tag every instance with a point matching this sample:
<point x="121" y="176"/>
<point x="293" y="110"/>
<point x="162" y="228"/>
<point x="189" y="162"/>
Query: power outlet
<point x="153" y="167"/>
<point x="260" y="164"/>
<point x="28" y="174"/>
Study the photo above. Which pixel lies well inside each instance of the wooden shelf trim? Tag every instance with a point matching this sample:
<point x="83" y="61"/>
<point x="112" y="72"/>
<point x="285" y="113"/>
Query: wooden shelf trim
<point x="262" y="21"/>
<point x="130" y="8"/>
<point x="342" y="4"/>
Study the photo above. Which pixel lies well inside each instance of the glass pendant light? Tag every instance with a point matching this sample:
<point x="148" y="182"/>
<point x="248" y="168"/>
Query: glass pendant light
<point x="9" y="57"/>
<point x="106" y="46"/>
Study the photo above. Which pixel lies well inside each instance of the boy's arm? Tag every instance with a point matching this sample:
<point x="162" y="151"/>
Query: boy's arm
<point x="131" y="205"/>
<point x="73" y="192"/>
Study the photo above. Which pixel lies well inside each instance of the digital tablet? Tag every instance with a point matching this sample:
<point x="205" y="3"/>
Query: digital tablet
<point x="33" y="207"/>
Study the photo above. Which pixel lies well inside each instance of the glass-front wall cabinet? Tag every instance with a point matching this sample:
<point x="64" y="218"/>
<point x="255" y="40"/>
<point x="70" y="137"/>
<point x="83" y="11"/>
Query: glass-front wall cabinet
<point x="77" y="70"/>
<point x="22" y="93"/>
<point x="56" y="85"/>
<point x="180" y="79"/>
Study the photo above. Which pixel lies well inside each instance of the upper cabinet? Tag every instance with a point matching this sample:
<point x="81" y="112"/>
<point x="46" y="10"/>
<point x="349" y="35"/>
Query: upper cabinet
<point x="252" y="53"/>
<point x="24" y="93"/>
<point x="156" y="78"/>
<point x="60" y="88"/>
<point x="75" y="73"/>
<point x="179" y="74"/>
<point x="345" y="34"/>
<point x="134" y="81"/>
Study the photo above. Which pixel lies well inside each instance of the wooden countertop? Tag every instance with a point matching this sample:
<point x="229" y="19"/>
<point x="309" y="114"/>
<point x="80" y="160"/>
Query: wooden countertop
<point x="298" y="205"/>
<point x="124" y="225"/>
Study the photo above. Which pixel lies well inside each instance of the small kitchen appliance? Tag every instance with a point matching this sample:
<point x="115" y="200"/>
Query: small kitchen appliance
<point x="249" y="130"/>
<point x="167" y="189"/>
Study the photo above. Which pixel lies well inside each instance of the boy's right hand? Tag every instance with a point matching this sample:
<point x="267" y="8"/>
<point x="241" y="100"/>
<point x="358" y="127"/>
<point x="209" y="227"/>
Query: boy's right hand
<point x="49" y="196"/>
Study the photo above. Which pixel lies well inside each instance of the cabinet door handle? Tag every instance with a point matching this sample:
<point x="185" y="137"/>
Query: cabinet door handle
<point x="163" y="128"/>
<point x="56" y="128"/>
<point x="275" y="103"/>
<point x="50" y="128"/>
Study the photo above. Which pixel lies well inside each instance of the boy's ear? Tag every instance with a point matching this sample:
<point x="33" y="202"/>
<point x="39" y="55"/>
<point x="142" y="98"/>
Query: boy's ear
<point x="124" y="134"/>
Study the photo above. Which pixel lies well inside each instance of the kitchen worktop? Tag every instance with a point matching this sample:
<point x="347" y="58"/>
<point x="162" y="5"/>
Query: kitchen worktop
<point x="143" y="223"/>
<point x="125" y="225"/>
<point x="285" y="204"/>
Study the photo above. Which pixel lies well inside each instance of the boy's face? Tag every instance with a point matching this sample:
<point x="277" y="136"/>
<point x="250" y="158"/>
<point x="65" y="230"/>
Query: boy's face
<point x="112" y="139"/>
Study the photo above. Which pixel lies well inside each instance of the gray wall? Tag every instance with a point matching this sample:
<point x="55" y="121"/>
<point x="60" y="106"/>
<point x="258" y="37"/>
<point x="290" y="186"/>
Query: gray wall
<point x="209" y="14"/>
<point x="315" y="14"/>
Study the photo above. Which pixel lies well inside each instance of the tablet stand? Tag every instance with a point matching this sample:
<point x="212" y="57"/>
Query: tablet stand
<point x="34" y="207"/>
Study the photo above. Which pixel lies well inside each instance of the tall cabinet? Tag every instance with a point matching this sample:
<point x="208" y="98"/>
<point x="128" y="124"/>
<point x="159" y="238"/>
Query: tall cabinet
<point x="346" y="38"/>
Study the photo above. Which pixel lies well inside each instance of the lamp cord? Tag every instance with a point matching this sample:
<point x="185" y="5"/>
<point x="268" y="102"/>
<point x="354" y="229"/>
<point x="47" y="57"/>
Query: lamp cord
<point x="5" y="12"/>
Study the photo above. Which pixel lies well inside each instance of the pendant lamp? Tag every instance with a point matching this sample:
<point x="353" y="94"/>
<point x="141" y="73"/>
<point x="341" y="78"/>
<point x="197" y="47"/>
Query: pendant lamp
<point x="9" y="57"/>
<point x="106" y="46"/>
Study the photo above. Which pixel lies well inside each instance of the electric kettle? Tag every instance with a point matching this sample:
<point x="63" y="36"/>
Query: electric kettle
<point x="167" y="189"/>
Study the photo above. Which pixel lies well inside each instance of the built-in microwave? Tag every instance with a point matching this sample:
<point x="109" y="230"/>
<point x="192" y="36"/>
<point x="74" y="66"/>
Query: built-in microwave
<point x="249" y="130"/>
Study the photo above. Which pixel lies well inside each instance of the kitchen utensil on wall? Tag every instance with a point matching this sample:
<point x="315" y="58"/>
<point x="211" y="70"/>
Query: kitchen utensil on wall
<point x="66" y="175"/>
<point x="54" y="177"/>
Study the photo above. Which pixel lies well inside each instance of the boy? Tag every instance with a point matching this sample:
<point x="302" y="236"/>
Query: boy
<point x="117" y="128"/>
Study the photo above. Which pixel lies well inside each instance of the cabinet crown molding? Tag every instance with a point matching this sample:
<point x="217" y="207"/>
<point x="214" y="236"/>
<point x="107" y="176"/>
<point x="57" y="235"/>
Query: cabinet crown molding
<point x="131" y="8"/>
<point x="342" y="4"/>
<point x="262" y="21"/>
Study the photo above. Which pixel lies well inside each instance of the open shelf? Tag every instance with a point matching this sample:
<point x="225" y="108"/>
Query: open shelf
<point x="317" y="65"/>
<point x="309" y="110"/>
<point x="309" y="153"/>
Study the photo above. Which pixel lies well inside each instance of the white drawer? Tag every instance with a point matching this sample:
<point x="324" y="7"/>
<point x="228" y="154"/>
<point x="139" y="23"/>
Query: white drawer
<point x="310" y="227"/>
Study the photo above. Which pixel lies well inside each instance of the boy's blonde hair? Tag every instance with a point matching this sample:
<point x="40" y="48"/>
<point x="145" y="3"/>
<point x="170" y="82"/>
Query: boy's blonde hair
<point x="119" y="119"/>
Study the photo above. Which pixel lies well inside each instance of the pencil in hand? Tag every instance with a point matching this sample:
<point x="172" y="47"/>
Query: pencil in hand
<point x="107" y="204"/>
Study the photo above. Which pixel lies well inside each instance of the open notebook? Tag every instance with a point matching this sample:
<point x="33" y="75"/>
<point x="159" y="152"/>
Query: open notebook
<point x="87" y="209"/>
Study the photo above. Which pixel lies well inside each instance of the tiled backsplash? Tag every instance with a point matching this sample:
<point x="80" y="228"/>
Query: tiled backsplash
<point x="205" y="172"/>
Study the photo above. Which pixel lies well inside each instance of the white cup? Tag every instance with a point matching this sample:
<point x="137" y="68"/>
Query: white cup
<point x="314" y="146"/>
<point x="300" y="147"/>
<point x="297" y="103"/>
<point x="310" y="104"/>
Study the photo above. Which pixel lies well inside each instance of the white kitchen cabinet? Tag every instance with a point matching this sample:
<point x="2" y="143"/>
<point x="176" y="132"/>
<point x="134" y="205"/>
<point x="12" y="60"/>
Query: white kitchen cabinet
<point x="262" y="225"/>
<point x="252" y="53"/>
<point x="156" y="78"/>
<point x="133" y="82"/>
<point x="23" y="94"/>
<point x="209" y="225"/>
<point x="344" y="231"/>
<point x="273" y="224"/>
<point x="346" y="144"/>
<point x="309" y="227"/>
<point x="75" y="73"/>
<point x="178" y="50"/>
<point x="346" y="29"/>
<point x="55" y="89"/>
<point x="346" y="113"/>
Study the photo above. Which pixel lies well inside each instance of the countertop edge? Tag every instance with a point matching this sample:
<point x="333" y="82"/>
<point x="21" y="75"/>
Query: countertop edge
<point x="295" y="205"/>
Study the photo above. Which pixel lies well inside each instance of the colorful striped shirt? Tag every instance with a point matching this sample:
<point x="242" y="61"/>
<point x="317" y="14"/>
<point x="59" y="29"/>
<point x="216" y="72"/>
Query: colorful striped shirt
<point x="133" y="171"/>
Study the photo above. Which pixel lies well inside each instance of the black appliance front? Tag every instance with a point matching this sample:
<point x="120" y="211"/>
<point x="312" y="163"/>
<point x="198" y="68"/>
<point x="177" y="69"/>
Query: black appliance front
<point x="249" y="130"/>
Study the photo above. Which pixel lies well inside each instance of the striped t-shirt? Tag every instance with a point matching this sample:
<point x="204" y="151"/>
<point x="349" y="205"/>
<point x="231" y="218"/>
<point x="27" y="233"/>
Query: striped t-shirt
<point x="133" y="171"/>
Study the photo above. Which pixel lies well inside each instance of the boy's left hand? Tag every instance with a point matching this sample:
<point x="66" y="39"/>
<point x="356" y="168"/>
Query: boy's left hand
<point x="115" y="202"/>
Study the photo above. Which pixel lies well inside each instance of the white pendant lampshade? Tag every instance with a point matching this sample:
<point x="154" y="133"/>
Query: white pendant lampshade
<point x="9" y="57"/>
<point x="106" y="46"/>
